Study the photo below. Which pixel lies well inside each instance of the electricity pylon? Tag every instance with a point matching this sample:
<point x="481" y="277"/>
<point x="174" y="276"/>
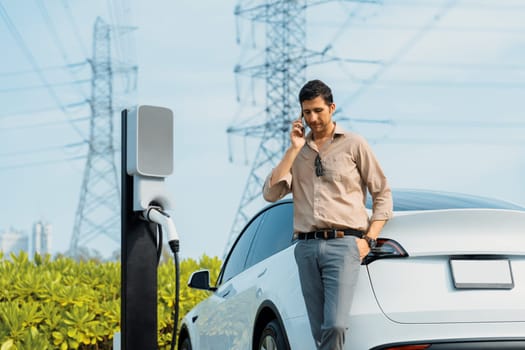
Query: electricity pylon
<point x="98" y="211"/>
<point x="283" y="71"/>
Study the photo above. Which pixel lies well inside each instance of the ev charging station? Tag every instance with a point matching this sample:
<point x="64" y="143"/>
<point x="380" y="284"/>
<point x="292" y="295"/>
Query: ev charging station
<point x="147" y="159"/>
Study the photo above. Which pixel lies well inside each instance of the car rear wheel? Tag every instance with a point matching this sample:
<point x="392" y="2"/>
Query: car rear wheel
<point x="272" y="337"/>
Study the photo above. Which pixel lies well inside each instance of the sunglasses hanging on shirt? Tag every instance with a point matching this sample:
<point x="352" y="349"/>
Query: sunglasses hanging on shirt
<point x="319" y="170"/>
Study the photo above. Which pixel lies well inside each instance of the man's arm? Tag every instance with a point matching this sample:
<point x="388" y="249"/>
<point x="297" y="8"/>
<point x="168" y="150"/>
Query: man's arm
<point x="278" y="183"/>
<point x="282" y="172"/>
<point x="373" y="232"/>
<point x="298" y="140"/>
<point x="285" y="165"/>
<point x="376" y="183"/>
<point x="375" y="228"/>
<point x="378" y="187"/>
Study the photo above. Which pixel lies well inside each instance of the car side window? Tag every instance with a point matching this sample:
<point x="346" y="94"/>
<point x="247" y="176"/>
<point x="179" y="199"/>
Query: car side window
<point x="237" y="259"/>
<point x="274" y="234"/>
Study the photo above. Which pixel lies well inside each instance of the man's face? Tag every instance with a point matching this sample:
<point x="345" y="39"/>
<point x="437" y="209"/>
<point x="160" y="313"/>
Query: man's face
<point x="318" y="115"/>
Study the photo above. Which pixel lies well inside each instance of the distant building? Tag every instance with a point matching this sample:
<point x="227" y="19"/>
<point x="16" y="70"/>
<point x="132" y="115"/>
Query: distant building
<point x="41" y="238"/>
<point x="13" y="241"/>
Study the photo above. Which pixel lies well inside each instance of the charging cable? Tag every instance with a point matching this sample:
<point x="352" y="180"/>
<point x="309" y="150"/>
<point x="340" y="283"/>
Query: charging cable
<point x="163" y="220"/>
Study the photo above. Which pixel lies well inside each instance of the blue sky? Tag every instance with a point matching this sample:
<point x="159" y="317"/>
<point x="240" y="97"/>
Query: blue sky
<point x="442" y="105"/>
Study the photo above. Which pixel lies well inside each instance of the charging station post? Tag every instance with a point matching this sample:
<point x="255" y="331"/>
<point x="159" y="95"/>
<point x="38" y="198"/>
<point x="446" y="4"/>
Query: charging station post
<point x="147" y="158"/>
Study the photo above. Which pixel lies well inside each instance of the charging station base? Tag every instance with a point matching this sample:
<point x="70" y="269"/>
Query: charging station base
<point x="116" y="341"/>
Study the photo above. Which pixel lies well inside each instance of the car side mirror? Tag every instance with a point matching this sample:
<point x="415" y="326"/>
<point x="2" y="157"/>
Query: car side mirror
<point x="201" y="280"/>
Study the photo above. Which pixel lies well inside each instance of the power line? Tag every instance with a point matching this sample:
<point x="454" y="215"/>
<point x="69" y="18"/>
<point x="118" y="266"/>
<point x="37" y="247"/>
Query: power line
<point x="42" y="149"/>
<point x="56" y="39"/>
<point x="407" y="27"/>
<point x="402" y="50"/>
<point x="43" y="69"/>
<point x="322" y="2"/>
<point x="351" y="16"/>
<point x="40" y="163"/>
<point x="456" y="123"/>
<point x="446" y="141"/>
<point x="42" y="125"/>
<point x="30" y="112"/>
<point x="463" y="66"/>
<point x="72" y="22"/>
<point x="29" y="56"/>
<point x="36" y="87"/>
<point x="403" y="26"/>
<point x="456" y="84"/>
<point x="47" y="20"/>
<point x="116" y="19"/>
<point x="496" y="6"/>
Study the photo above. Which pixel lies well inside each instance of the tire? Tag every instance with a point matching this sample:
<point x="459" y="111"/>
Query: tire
<point x="185" y="344"/>
<point x="272" y="337"/>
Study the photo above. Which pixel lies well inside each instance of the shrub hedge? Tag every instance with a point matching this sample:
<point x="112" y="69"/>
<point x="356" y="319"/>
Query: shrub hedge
<point x="64" y="304"/>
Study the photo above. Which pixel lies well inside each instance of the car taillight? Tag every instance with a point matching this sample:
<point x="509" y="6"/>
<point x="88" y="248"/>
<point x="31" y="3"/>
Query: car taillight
<point x="385" y="248"/>
<point x="409" y="347"/>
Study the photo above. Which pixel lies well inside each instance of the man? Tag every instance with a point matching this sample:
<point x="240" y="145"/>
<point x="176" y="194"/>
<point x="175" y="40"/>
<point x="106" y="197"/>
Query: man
<point x="329" y="172"/>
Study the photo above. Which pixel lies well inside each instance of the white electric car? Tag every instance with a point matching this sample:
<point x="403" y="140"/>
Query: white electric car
<point x="448" y="273"/>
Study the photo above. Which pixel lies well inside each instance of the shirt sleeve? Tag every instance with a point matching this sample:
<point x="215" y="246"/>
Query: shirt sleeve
<point x="280" y="189"/>
<point x="376" y="183"/>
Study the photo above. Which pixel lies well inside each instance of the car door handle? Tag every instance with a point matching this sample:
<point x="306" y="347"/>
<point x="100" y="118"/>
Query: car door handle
<point x="226" y="292"/>
<point x="262" y="273"/>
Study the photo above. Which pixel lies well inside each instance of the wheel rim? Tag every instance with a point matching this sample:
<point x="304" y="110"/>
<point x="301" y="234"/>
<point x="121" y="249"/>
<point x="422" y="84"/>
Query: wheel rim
<point x="268" y="343"/>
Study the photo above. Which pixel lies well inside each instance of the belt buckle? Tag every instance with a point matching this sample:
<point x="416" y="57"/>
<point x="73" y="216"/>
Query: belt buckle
<point x="320" y="234"/>
<point x="326" y="234"/>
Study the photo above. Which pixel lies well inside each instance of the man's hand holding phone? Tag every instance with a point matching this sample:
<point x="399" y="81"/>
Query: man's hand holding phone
<point x="297" y="135"/>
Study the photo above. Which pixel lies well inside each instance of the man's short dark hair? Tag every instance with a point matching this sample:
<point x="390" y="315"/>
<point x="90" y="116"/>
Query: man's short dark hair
<point x="315" y="88"/>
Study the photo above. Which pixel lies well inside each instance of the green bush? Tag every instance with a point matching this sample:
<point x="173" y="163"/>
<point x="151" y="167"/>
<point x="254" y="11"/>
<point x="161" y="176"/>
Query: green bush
<point x="65" y="304"/>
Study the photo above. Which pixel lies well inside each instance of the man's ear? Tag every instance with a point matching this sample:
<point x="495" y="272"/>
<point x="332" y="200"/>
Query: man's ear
<point x="332" y="108"/>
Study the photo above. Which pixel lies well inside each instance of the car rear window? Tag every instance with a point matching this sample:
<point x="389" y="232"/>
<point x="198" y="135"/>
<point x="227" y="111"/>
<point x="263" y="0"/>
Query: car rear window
<point x="406" y="200"/>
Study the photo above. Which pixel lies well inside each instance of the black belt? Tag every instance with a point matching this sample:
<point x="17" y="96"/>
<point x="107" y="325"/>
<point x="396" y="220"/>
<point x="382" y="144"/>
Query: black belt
<point x="330" y="233"/>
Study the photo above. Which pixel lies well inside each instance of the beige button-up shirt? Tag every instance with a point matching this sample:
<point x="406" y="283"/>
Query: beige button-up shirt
<point x="337" y="198"/>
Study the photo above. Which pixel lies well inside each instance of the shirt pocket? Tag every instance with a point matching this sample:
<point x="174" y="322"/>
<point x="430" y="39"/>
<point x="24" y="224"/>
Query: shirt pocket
<point x="334" y="169"/>
<point x="342" y="170"/>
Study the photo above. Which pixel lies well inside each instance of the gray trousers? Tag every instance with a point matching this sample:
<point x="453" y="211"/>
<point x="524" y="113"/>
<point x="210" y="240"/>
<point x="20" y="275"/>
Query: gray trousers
<point x="328" y="273"/>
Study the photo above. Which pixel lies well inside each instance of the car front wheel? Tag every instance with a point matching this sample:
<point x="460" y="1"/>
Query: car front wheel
<point x="272" y="337"/>
<point x="186" y="344"/>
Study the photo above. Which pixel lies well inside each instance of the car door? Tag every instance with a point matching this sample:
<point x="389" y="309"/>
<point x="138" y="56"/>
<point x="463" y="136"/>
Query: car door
<point x="218" y="325"/>
<point x="244" y="293"/>
<point x="276" y="277"/>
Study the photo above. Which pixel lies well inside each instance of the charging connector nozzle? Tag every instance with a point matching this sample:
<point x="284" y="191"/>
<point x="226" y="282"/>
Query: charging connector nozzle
<point x="160" y="217"/>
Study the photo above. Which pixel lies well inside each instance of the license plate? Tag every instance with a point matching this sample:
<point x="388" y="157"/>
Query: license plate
<point x="482" y="273"/>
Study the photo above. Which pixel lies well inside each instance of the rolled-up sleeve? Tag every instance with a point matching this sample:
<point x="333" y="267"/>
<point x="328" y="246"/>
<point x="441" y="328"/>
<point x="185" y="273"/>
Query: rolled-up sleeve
<point x="281" y="188"/>
<point x="382" y="207"/>
<point x="377" y="184"/>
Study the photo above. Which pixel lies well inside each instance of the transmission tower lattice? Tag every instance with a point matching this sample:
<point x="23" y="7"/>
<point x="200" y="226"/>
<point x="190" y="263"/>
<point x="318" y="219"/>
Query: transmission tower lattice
<point x="283" y="71"/>
<point x="98" y="211"/>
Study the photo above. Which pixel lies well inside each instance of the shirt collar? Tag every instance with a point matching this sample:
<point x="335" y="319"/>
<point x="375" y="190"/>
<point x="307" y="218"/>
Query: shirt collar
<point x="338" y="131"/>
